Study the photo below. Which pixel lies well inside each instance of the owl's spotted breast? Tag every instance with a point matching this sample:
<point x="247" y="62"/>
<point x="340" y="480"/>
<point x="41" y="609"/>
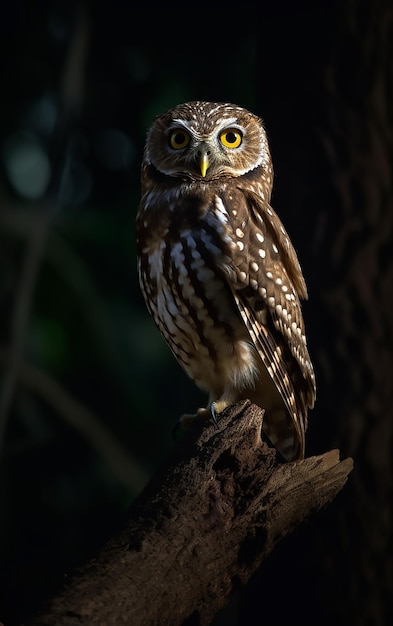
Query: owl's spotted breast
<point x="183" y="280"/>
<point x="217" y="269"/>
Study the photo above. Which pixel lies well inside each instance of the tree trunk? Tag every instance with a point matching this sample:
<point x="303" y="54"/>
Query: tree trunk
<point x="329" y="109"/>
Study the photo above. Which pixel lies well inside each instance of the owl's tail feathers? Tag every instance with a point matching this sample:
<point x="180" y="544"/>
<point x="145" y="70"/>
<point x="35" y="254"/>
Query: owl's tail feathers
<point x="280" y="430"/>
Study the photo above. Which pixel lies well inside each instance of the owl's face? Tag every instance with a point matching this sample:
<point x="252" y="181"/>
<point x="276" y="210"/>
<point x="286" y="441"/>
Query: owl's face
<point x="207" y="140"/>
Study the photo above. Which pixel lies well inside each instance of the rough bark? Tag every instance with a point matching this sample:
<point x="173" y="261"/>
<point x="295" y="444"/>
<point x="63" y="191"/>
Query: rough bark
<point x="200" y="529"/>
<point x="331" y="130"/>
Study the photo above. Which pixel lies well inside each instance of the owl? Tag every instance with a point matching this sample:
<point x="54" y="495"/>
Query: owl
<point x="217" y="269"/>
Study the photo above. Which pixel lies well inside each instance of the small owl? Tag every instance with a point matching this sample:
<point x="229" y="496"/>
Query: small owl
<point x="217" y="269"/>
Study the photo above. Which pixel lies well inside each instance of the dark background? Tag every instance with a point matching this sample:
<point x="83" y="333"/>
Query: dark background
<point x="89" y="391"/>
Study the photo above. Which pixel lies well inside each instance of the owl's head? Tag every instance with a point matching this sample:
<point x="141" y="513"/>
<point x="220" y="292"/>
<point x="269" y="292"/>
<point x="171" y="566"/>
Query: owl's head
<point x="207" y="140"/>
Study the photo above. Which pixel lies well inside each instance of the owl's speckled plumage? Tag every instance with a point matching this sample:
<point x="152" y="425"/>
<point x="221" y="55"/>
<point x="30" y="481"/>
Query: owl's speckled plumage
<point x="217" y="269"/>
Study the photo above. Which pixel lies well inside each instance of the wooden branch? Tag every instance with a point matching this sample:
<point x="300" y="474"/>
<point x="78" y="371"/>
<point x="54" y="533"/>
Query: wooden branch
<point x="200" y="528"/>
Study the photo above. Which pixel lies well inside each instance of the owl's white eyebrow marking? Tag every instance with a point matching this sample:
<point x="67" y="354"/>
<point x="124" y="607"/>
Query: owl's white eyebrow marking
<point x="184" y="123"/>
<point x="228" y="121"/>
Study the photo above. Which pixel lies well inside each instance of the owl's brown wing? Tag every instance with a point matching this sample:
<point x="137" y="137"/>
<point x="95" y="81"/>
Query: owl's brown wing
<point x="267" y="285"/>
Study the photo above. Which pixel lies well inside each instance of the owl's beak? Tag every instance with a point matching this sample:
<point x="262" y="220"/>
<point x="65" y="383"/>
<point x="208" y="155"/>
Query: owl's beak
<point x="204" y="163"/>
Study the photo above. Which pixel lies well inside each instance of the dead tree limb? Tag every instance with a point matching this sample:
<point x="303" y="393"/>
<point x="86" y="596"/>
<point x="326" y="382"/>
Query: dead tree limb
<point x="200" y="528"/>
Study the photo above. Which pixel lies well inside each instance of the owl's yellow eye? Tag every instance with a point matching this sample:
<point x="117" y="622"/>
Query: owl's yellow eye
<point x="231" y="138"/>
<point x="179" y="139"/>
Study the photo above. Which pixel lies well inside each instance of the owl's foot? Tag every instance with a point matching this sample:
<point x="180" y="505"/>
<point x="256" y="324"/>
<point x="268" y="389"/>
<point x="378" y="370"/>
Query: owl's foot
<point x="202" y="415"/>
<point x="209" y="413"/>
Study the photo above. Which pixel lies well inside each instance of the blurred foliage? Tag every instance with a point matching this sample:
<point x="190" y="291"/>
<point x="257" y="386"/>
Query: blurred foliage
<point x="89" y="390"/>
<point x="87" y="405"/>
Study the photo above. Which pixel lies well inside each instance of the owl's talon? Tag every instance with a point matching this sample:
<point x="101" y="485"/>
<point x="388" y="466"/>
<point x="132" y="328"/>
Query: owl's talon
<point x="213" y="412"/>
<point x="188" y="419"/>
<point x="209" y="413"/>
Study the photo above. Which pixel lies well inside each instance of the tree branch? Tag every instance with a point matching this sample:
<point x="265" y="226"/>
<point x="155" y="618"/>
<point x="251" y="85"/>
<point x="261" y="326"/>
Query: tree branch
<point x="200" y="528"/>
